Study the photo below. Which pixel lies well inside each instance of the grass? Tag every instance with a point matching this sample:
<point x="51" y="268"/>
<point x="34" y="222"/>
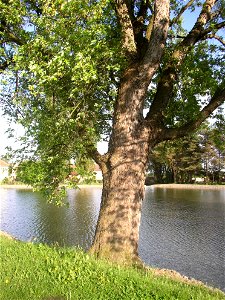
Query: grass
<point x="37" y="271"/>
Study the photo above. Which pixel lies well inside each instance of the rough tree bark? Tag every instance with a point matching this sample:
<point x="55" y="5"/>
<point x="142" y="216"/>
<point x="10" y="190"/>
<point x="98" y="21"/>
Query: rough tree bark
<point x="123" y="176"/>
<point x="133" y="135"/>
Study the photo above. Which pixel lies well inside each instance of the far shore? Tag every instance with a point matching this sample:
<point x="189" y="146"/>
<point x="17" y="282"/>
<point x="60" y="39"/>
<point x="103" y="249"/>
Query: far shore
<point x="29" y="187"/>
<point x="166" y="186"/>
<point x="16" y="186"/>
<point x="189" y="186"/>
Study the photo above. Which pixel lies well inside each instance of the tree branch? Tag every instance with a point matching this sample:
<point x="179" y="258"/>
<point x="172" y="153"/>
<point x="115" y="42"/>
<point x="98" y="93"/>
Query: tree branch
<point x="123" y="15"/>
<point x="169" y="75"/>
<point x="8" y="34"/>
<point x="100" y="159"/>
<point x="11" y="37"/>
<point x="217" y="99"/>
<point x="210" y="29"/>
<point x="158" y="37"/>
<point x="185" y="7"/>
<point x="214" y="36"/>
<point x="197" y="31"/>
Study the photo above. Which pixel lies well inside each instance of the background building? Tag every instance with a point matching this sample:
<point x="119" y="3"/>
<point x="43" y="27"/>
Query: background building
<point x="4" y="170"/>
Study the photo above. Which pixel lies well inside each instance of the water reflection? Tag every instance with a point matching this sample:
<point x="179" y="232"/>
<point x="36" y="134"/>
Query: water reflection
<point x="180" y="229"/>
<point x="184" y="230"/>
<point x="27" y="216"/>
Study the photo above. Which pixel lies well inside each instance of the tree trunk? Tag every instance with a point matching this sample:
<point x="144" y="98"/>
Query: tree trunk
<point x="124" y="165"/>
<point x="158" y="172"/>
<point x="123" y="190"/>
<point x="123" y="170"/>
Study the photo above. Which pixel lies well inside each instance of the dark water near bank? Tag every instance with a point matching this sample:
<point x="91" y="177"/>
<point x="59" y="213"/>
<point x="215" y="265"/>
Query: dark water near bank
<point x="182" y="230"/>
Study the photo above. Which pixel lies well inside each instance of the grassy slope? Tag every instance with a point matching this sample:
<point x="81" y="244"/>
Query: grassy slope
<point x="30" y="271"/>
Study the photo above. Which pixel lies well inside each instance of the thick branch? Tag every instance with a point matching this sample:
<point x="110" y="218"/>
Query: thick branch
<point x="11" y="37"/>
<point x="216" y="101"/>
<point x="158" y="38"/>
<point x="198" y="30"/>
<point x="100" y="159"/>
<point x="8" y="35"/>
<point x="123" y="15"/>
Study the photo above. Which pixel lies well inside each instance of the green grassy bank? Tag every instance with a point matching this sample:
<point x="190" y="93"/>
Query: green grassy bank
<point x="37" y="271"/>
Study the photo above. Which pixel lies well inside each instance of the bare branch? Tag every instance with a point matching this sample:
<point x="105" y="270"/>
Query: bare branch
<point x="176" y="36"/>
<point x="11" y="37"/>
<point x="216" y="101"/>
<point x="7" y="35"/>
<point x="197" y="31"/>
<point x="185" y="7"/>
<point x="214" y="36"/>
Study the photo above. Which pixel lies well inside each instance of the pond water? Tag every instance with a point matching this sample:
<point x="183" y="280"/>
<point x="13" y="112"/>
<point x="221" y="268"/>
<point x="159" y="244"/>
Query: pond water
<point x="182" y="230"/>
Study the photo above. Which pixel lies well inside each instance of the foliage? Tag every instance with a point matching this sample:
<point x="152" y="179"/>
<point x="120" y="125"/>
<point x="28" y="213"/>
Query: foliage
<point x="6" y="180"/>
<point x="64" y="62"/>
<point x="85" y="169"/>
<point x="37" y="271"/>
<point x="213" y="158"/>
<point x="59" y="93"/>
<point x="199" y="155"/>
<point x="177" y="161"/>
<point x="29" y="172"/>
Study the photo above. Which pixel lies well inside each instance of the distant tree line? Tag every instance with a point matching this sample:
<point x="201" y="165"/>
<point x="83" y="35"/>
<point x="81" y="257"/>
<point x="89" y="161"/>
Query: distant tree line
<point x="195" y="158"/>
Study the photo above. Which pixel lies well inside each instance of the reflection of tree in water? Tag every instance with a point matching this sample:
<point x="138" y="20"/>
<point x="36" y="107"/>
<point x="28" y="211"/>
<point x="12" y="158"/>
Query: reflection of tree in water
<point x="86" y="203"/>
<point x="73" y="225"/>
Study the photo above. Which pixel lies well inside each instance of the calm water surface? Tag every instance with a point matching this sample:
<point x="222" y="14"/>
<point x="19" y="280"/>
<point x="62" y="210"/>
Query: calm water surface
<point x="182" y="230"/>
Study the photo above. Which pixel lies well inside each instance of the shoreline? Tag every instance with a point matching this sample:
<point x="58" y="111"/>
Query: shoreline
<point x="16" y="186"/>
<point x="161" y="185"/>
<point x="169" y="273"/>
<point x="189" y="186"/>
<point x="28" y="187"/>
